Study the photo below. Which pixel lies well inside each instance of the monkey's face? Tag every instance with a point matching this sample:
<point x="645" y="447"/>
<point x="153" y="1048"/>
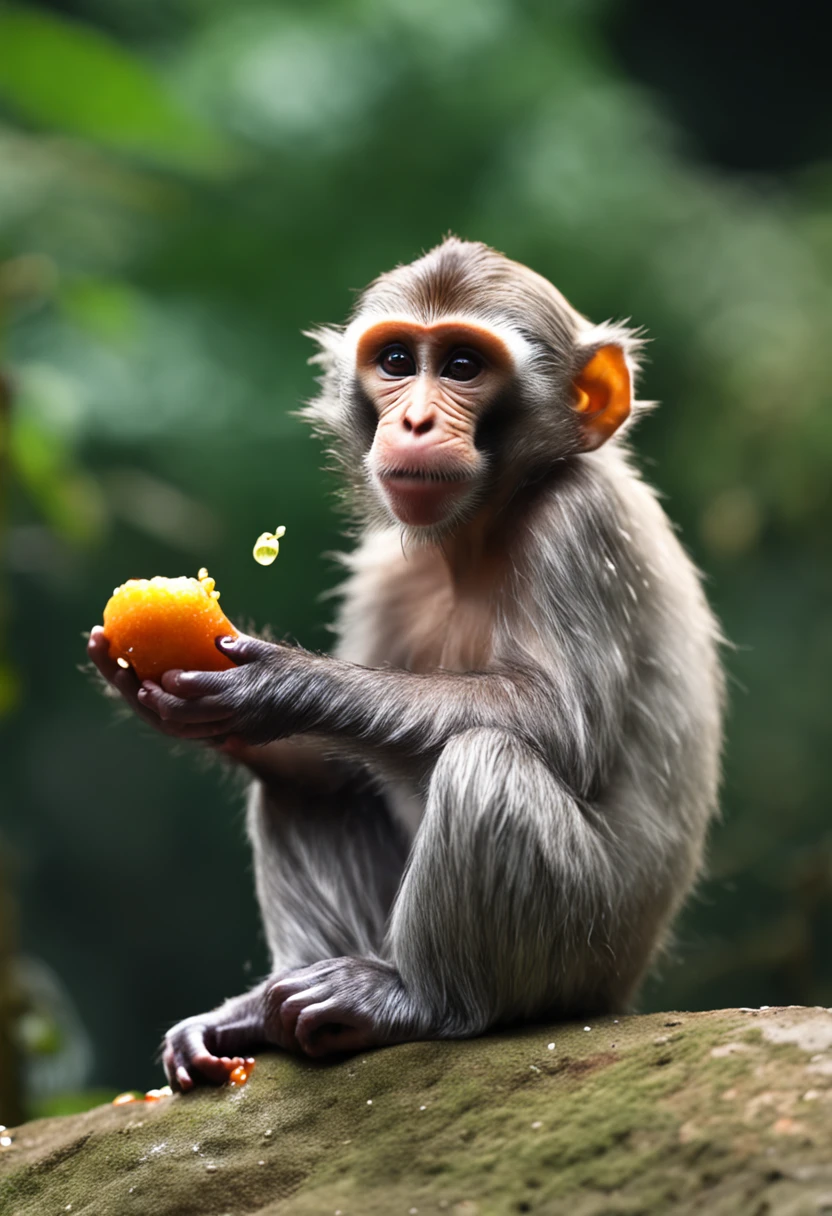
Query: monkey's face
<point x="459" y="379"/>
<point x="429" y="386"/>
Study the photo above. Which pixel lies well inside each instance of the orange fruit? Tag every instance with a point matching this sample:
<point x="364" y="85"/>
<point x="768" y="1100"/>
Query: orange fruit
<point x="156" y="624"/>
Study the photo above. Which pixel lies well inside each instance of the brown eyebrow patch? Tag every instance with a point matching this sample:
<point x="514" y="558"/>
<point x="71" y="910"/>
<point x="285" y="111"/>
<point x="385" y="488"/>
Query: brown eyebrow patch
<point x="446" y="334"/>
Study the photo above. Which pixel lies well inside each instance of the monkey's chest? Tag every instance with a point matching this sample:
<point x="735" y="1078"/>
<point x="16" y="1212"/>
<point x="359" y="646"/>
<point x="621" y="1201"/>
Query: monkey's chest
<point x="410" y="615"/>
<point x="443" y="631"/>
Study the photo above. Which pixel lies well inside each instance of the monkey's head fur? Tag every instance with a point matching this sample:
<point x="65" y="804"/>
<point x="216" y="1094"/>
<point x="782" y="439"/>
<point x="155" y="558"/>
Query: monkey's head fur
<point x="457" y="379"/>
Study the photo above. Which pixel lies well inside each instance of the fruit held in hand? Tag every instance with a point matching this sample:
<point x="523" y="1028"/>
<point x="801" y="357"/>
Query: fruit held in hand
<point x="156" y="624"/>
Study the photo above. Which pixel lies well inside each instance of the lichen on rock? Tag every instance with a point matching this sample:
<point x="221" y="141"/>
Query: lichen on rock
<point x="725" y="1112"/>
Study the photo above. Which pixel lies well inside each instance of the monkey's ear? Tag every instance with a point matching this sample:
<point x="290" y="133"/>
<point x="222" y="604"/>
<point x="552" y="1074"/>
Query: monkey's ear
<point x="603" y="394"/>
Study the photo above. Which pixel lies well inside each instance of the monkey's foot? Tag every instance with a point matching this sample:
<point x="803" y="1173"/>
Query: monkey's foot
<point x="340" y="1004"/>
<point x="194" y="1050"/>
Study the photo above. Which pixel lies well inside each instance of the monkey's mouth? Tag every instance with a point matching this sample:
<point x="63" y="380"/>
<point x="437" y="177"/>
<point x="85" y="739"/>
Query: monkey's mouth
<point x="422" y="497"/>
<point x="422" y="476"/>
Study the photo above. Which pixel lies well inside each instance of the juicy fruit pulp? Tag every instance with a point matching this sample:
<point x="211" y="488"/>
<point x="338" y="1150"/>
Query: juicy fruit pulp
<point x="157" y="624"/>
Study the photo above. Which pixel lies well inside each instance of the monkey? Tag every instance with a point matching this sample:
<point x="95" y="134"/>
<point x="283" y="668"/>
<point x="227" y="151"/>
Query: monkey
<point x="487" y="805"/>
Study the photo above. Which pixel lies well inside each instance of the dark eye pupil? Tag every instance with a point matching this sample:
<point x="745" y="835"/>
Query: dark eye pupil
<point x="397" y="362"/>
<point x="462" y="367"/>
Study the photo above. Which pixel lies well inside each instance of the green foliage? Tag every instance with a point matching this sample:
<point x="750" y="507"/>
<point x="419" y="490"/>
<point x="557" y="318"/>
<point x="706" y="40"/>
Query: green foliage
<point x="68" y="77"/>
<point x="184" y="189"/>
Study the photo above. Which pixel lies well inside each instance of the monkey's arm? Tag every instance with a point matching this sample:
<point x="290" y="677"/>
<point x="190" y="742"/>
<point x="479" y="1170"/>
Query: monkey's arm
<point x="563" y="685"/>
<point x="280" y="690"/>
<point x="277" y="690"/>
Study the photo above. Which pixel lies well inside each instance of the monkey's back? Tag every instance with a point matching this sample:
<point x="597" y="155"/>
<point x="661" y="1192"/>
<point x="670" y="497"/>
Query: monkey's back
<point x="658" y="790"/>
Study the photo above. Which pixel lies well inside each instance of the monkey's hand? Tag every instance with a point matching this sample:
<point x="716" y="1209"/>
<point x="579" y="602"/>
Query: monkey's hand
<point x="256" y="701"/>
<point x="124" y="682"/>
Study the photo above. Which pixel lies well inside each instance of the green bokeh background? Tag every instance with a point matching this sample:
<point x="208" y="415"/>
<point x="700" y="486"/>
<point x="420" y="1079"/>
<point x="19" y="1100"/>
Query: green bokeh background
<point x="184" y="187"/>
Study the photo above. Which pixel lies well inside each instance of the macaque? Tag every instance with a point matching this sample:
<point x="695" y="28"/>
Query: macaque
<point x="486" y="806"/>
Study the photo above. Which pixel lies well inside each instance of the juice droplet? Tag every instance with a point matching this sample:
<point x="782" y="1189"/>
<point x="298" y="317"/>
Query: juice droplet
<point x="153" y="1095"/>
<point x="240" y="1074"/>
<point x="123" y="1099"/>
<point x="122" y="662"/>
<point x="267" y="546"/>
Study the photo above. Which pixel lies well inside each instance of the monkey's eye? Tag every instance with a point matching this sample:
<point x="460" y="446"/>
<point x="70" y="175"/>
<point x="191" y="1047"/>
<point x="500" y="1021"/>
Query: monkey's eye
<point x="463" y="365"/>
<point x="397" y="361"/>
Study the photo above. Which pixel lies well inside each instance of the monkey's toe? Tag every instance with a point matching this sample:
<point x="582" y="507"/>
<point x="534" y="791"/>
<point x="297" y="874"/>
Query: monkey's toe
<point x="341" y="1004"/>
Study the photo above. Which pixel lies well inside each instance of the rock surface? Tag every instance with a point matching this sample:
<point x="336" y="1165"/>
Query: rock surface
<point x="725" y="1112"/>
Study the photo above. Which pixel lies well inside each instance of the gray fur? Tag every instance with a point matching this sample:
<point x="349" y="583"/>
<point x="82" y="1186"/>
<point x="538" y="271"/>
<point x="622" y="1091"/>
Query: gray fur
<point x="558" y="793"/>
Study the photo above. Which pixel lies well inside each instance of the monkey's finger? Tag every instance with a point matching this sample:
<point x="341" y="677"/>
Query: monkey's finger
<point x="185" y="730"/>
<point x="320" y="1030"/>
<point x="124" y="679"/>
<point x="192" y="684"/>
<point x="175" y="709"/>
<point x="293" y="1007"/>
<point x="245" y="649"/>
<point x="293" y="983"/>
<point x="177" y="1074"/>
<point x="183" y="1079"/>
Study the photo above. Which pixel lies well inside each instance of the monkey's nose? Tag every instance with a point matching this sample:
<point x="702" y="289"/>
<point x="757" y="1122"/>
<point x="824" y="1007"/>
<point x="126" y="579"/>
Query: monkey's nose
<point x="418" y="422"/>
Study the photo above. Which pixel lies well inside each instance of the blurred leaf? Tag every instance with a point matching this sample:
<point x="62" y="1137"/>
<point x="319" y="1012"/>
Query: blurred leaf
<point x="67" y="76"/>
<point x="68" y="498"/>
<point x="107" y="309"/>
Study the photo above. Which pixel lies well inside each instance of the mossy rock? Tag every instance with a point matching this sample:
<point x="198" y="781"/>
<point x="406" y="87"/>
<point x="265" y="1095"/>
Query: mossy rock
<point x="726" y="1112"/>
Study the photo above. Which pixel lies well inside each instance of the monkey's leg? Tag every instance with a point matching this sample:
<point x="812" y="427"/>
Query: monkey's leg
<point x="328" y="861"/>
<point x="503" y="913"/>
